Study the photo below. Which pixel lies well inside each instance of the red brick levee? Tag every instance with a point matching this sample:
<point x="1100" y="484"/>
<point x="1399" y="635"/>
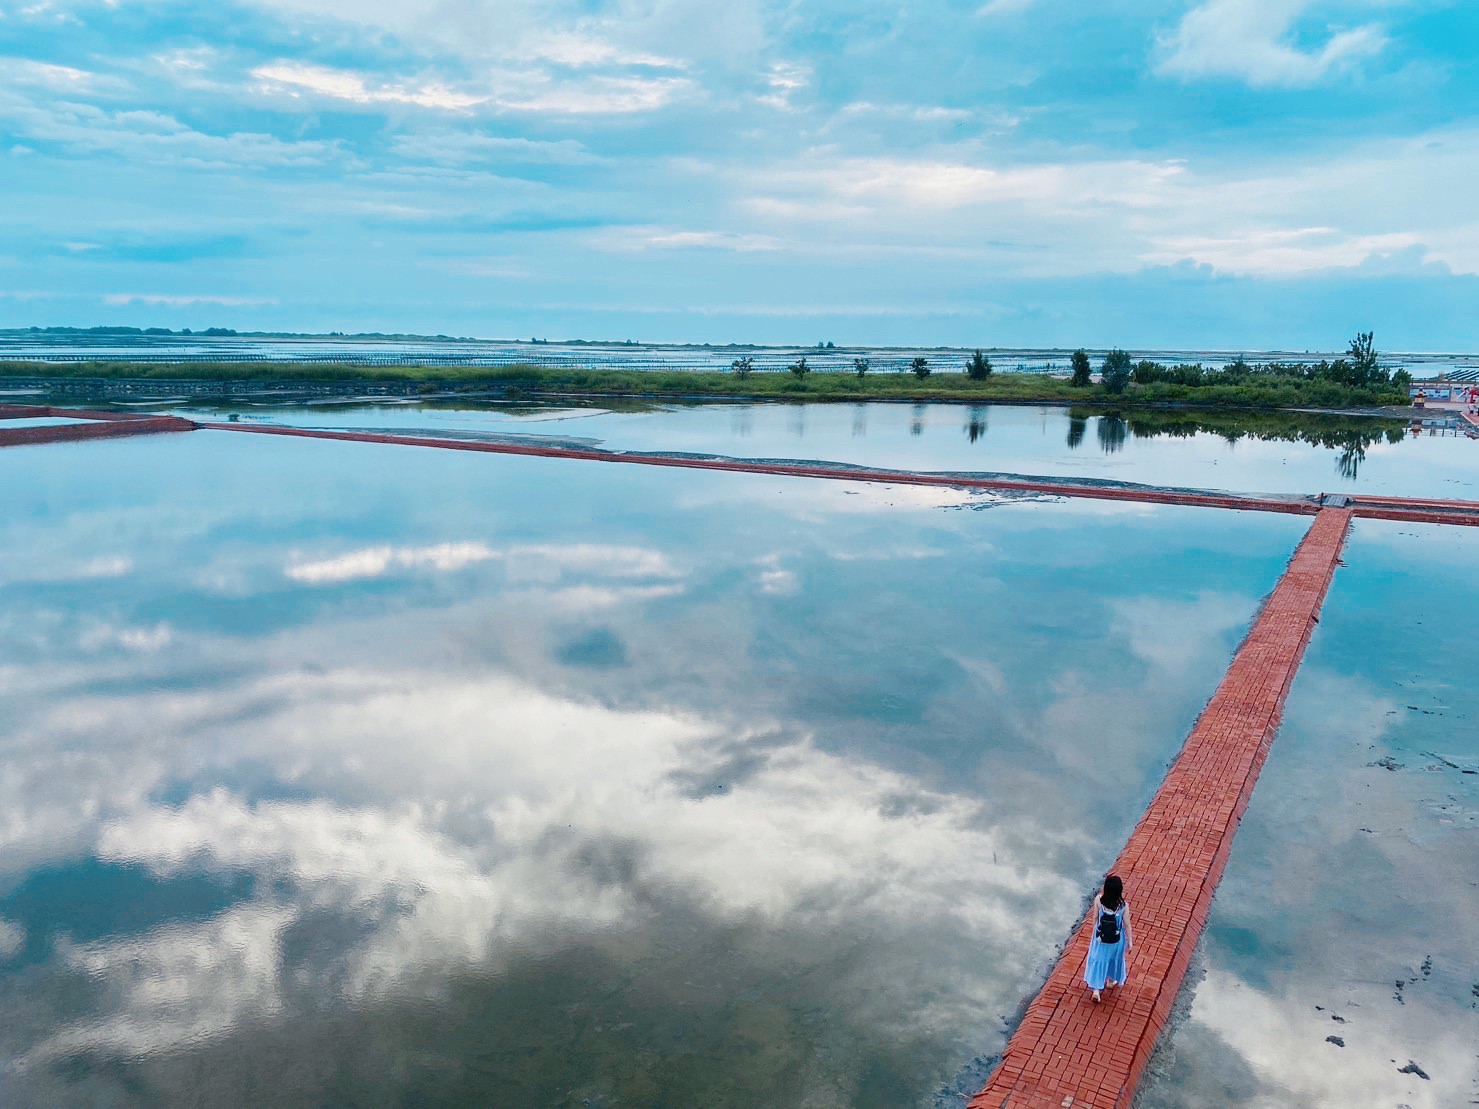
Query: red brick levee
<point x="1069" y="1052"/>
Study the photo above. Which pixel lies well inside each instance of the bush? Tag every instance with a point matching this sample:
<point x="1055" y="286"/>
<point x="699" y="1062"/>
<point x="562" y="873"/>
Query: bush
<point x="1116" y="371"/>
<point x="1148" y="372"/>
<point x="800" y="368"/>
<point x="921" y="367"/>
<point x="741" y="367"/>
<point x="1081" y="369"/>
<point x="860" y="367"/>
<point x="978" y="367"/>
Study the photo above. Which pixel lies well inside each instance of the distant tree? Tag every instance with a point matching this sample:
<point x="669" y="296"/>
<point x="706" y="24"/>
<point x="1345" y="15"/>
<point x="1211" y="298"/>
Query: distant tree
<point x="799" y="367"/>
<point x="921" y="367"/>
<point x="1365" y="368"/>
<point x="860" y="367"/>
<point x="830" y="346"/>
<point x="978" y="367"/>
<point x="1147" y="372"/>
<point x="742" y="366"/>
<point x="1081" y="368"/>
<point x="1116" y="371"/>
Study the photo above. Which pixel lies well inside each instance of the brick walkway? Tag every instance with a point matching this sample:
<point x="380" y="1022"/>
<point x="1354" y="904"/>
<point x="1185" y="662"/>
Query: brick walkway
<point x="1069" y="1053"/>
<point x="90" y="425"/>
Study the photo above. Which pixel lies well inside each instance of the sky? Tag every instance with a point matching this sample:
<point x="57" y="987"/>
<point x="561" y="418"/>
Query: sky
<point x="1228" y="174"/>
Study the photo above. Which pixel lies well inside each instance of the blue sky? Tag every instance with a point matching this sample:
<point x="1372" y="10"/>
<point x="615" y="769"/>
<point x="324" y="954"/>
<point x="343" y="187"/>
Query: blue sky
<point x="1237" y="174"/>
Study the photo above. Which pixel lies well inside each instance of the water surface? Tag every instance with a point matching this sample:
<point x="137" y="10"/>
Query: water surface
<point x="345" y="773"/>
<point x="1239" y="452"/>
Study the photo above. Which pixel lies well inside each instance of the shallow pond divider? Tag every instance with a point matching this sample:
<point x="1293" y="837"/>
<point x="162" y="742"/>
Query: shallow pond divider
<point x="89" y="424"/>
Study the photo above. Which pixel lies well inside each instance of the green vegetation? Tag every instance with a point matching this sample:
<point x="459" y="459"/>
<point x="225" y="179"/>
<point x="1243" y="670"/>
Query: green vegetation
<point x="979" y="367"/>
<point x="1082" y="370"/>
<point x="1115" y="373"/>
<point x="1354" y="381"/>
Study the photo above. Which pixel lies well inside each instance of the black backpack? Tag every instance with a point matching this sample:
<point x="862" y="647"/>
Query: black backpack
<point x="1109" y="927"/>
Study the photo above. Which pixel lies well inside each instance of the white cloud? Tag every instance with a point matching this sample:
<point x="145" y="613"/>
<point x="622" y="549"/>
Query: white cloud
<point x="525" y="563"/>
<point x="600" y="95"/>
<point x="462" y="147"/>
<point x="142" y="640"/>
<point x="1253" y="40"/>
<point x="182" y="300"/>
<point x="574" y="49"/>
<point x="373" y="562"/>
<point x="661" y="238"/>
<point x="148" y="136"/>
<point x="340" y="84"/>
<point x="524" y="90"/>
<point x="785" y="79"/>
<point x="12" y="937"/>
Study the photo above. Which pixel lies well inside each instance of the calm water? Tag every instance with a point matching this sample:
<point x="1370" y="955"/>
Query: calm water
<point x="1346" y="455"/>
<point x="1350" y="907"/>
<point x="340" y="773"/>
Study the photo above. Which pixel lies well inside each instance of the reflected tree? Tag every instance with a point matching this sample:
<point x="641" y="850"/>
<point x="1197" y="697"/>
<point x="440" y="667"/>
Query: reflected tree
<point x="1077" y="425"/>
<point x="977" y="425"/>
<point x="859" y="420"/>
<point x="916" y="421"/>
<point x="1348" y="462"/>
<point x="1113" y="430"/>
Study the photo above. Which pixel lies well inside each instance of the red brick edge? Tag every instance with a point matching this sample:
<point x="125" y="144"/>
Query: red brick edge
<point x="1070" y="1052"/>
<point x="24" y="411"/>
<point x="100" y="429"/>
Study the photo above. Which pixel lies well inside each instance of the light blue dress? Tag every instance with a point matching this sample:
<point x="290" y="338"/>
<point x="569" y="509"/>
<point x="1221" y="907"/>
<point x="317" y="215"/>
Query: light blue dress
<point x="1106" y="962"/>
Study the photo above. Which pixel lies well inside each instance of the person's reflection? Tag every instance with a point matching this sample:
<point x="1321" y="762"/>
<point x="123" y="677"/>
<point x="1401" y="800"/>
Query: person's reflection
<point x="977" y="425"/>
<point x="859" y="421"/>
<point x="916" y="422"/>
<point x="1077" y="425"/>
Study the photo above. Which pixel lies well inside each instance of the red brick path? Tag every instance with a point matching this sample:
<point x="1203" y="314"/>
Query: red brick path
<point x="1069" y="1053"/>
<point x="91" y="426"/>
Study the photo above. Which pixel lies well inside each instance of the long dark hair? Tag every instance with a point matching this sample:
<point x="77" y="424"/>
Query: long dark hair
<point x="1114" y="893"/>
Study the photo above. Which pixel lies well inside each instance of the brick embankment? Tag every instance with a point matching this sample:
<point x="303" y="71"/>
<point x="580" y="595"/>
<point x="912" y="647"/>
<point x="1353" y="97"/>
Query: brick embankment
<point x="1069" y="1052"/>
<point x="94" y="429"/>
<point x="24" y="411"/>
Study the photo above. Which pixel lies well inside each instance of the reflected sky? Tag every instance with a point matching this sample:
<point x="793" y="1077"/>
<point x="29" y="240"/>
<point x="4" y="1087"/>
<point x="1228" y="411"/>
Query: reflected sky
<point x="1349" y="905"/>
<point x="1147" y="447"/>
<point x="342" y="772"/>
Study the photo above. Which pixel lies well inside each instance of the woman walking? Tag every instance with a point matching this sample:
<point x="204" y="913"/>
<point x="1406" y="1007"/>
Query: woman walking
<point x="1109" y="945"/>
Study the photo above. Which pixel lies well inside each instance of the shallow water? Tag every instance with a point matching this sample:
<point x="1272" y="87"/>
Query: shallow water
<point x="1350" y="906"/>
<point x="339" y="772"/>
<point x="1150" y="448"/>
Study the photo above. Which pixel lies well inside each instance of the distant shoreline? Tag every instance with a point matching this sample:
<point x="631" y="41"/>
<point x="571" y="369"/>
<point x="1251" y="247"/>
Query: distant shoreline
<point x="139" y="380"/>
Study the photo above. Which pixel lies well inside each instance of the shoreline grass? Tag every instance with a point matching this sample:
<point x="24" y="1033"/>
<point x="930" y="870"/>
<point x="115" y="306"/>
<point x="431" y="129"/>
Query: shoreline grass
<point x="1274" y="393"/>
